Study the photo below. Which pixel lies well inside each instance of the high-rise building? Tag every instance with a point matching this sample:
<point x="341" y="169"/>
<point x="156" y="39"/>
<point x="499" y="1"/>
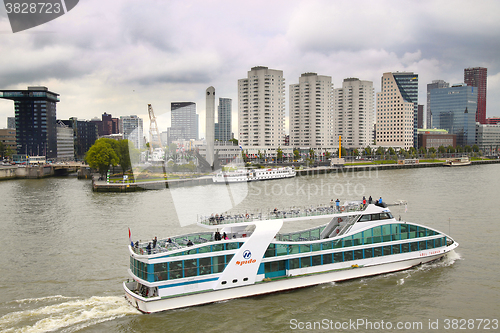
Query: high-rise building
<point x="311" y="112"/>
<point x="65" y="142"/>
<point x="477" y="77"/>
<point x="132" y="129"/>
<point x="261" y="108"/>
<point x="11" y="122"/>
<point x="223" y="129"/>
<point x="85" y="134"/>
<point x="420" y="116"/>
<point x="397" y="107"/>
<point x="184" y="122"/>
<point x="355" y="113"/>
<point x="436" y="84"/>
<point x="454" y="109"/>
<point x="35" y="110"/>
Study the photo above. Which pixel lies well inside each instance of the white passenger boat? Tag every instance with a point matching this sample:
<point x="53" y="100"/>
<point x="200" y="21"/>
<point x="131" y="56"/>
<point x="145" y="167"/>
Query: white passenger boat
<point x="461" y="161"/>
<point x="255" y="258"/>
<point x="244" y="175"/>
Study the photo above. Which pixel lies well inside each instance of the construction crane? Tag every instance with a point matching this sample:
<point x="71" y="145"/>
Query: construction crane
<point x="154" y="135"/>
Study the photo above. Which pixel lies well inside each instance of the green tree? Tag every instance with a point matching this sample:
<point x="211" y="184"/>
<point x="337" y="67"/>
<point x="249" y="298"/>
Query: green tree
<point x="441" y="149"/>
<point x="422" y="150"/>
<point x="468" y="149"/>
<point x="380" y="151"/>
<point x="296" y="154"/>
<point x="343" y="151"/>
<point x="355" y="152"/>
<point x="2" y="149"/>
<point x="279" y="154"/>
<point x="432" y="150"/>
<point x="234" y="141"/>
<point x="127" y="154"/>
<point x="450" y="149"/>
<point x="101" y="155"/>
<point x="368" y="151"/>
<point x="475" y="148"/>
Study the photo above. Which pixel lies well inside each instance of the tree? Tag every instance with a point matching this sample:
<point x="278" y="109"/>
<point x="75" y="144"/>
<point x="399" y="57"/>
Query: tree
<point x="450" y="149"/>
<point x="422" y="150"/>
<point x="391" y="151"/>
<point x="296" y="154"/>
<point x="380" y="151"/>
<point x="101" y="155"/>
<point x="441" y="149"/>
<point x="2" y="149"/>
<point x="279" y="154"/>
<point x="368" y="151"/>
<point x="312" y="154"/>
<point x="234" y="141"/>
<point x="475" y="148"/>
<point x="343" y="151"/>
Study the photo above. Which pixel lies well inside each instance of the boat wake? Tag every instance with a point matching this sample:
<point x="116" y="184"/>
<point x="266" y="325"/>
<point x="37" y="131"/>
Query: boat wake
<point x="67" y="314"/>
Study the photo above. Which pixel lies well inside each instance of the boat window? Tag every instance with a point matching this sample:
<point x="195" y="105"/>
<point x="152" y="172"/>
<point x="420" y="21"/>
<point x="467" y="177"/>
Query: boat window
<point x="377" y="251"/>
<point x="205" y="266"/>
<point x="348" y="255"/>
<point x="327" y="259"/>
<point x="368" y="253"/>
<point x="281" y="249"/>
<point x="358" y="254"/>
<point x="387" y="250"/>
<point x="270" y="252"/>
<point x="365" y="218"/>
<point x="245" y="279"/>
<point x="327" y="245"/>
<point x="375" y="217"/>
<point x="385" y="216"/>
<point x="223" y="282"/>
<point x="348" y="241"/>
<point x="305" y="248"/>
<point x="305" y="262"/>
<point x="190" y="267"/>
<point x="294" y="263"/>
<point x="405" y="247"/>
<point x="235" y="280"/>
<point x="414" y="246"/>
<point x="338" y="257"/>
<point x="396" y="249"/>
<point x="422" y="245"/>
<point x="316" y="260"/>
<point x="316" y="247"/>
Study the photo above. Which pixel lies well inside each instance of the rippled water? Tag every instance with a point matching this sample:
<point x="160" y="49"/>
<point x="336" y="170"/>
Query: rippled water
<point x="65" y="256"/>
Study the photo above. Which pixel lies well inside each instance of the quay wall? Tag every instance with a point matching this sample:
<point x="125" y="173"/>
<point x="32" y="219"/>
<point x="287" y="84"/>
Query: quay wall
<point x="102" y="186"/>
<point x="33" y="172"/>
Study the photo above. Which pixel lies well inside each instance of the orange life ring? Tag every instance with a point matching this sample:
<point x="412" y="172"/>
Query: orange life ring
<point x="342" y="208"/>
<point x="339" y="220"/>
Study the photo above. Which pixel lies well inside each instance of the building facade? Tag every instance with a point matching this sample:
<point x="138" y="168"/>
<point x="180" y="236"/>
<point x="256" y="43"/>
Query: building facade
<point x="261" y="108"/>
<point x="397" y="110"/>
<point x="35" y="110"/>
<point x="488" y="138"/>
<point x="65" y="142"/>
<point x="85" y="133"/>
<point x="8" y="138"/>
<point x="434" y="138"/>
<point x="132" y="129"/>
<point x="184" y="122"/>
<point x="223" y="128"/>
<point x="311" y="111"/>
<point x="454" y="109"/>
<point x="11" y="122"/>
<point x="436" y="84"/>
<point x="477" y="77"/>
<point x="354" y="113"/>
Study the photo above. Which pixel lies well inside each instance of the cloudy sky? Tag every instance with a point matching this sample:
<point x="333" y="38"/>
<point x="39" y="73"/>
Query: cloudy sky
<point x="117" y="56"/>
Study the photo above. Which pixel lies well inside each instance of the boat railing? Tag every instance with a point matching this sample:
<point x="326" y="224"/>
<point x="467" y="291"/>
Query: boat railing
<point x="173" y="243"/>
<point x="292" y="212"/>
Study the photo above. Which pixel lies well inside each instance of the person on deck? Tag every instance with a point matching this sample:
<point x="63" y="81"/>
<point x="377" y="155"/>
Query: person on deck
<point x="337" y="204"/>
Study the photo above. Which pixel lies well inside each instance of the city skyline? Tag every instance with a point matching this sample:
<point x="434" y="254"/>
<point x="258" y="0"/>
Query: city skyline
<point x="158" y="53"/>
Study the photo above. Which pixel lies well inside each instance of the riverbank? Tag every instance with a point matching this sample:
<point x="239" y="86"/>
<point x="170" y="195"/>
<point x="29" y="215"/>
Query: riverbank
<point x="104" y="186"/>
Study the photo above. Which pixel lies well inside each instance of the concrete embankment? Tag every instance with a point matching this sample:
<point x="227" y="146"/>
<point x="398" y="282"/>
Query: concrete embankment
<point x="103" y="186"/>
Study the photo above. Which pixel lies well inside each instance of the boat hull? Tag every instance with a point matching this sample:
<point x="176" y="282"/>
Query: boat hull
<point x="169" y="303"/>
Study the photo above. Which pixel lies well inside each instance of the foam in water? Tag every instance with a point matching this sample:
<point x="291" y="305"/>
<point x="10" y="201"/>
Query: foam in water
<point x="69" y="315"/>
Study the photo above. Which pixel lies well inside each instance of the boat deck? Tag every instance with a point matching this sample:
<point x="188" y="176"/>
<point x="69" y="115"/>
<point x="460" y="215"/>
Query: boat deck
<point x="292" y="212"/>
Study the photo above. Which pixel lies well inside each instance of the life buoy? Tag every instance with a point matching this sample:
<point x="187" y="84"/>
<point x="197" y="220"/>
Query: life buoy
<point x="339" y="220"/>
<point x="342" y="208"/>
<point x="247" y="216"/>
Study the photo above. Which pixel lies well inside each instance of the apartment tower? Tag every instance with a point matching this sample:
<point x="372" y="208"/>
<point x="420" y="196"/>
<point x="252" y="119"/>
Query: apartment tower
<point x="397" y="107"/>
<point x="355" y="113"/>
<point x="311" y="112"/>
<point x="477" y="77"/>
<point x="261" y="108"/>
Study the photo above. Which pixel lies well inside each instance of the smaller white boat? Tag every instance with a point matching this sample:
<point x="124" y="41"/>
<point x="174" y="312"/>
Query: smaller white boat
<point x="244" y="175"/>
<point x="461" y="161"/>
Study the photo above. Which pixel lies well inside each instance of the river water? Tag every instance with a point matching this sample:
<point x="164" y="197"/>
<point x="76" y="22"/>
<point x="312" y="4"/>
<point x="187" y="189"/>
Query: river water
<point x="64" y="255"/>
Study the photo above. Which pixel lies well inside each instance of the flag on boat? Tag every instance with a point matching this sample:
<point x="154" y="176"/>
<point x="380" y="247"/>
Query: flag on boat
<point x="130" y="238"/>
<point x="406" y="207"/>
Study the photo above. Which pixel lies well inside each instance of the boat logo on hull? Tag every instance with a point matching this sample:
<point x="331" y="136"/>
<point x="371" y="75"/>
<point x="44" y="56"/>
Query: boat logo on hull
<point x="247" y="254"/>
